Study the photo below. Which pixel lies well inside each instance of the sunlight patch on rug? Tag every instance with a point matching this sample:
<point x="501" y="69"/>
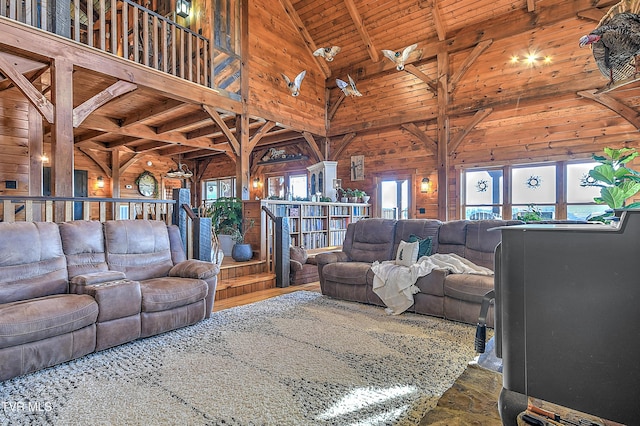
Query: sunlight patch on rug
<point x="298" y="359"/>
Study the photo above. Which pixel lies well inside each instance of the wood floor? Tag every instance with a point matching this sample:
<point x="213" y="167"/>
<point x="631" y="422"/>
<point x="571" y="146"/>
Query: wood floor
<point x="257" y="296"/>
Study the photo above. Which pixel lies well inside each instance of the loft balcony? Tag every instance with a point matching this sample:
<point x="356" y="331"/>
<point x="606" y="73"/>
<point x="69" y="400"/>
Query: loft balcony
<point x="131" y="31"/>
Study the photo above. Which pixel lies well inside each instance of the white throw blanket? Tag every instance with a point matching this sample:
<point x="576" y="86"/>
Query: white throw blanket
<point x="395" y="284"/>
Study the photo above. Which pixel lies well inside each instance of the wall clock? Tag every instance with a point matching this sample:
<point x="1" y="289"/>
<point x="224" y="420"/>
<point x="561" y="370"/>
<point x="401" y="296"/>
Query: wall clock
<point x="147" y="184"/>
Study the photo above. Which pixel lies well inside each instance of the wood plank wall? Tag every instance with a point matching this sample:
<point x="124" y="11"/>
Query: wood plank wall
<point x="275" y="47"/>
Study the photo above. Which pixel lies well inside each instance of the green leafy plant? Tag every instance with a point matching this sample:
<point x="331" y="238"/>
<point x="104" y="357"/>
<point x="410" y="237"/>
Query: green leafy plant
<point x="240" y="232"/>
<point x="226" y="215"/>
<point x="532" y="214"/>
<point x="617" y="182"/>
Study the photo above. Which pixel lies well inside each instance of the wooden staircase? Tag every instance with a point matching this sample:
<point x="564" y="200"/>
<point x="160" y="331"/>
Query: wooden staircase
<point x="238" y="278"/>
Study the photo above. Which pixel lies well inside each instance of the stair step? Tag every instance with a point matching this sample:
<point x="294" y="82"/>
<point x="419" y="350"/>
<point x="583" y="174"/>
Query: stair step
<point x="236" y="286"/>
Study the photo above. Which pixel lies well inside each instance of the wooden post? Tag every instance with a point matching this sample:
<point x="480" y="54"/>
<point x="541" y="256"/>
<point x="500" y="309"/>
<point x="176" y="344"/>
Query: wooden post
<point x="202" y="238"/>
<point x="281" y="248"/>
<point x="181" y="196"/>
<point x="62" y="134"/>
<point x="443" y="135"/>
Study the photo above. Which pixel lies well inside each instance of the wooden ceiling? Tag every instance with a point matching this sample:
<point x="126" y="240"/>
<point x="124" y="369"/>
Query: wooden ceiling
<point x="146" y="120"/>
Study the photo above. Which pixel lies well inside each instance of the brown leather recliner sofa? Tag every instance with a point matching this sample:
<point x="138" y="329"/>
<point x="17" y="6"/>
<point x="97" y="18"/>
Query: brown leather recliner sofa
<point x="70" y="289"/>
<point x="348" y="275"/>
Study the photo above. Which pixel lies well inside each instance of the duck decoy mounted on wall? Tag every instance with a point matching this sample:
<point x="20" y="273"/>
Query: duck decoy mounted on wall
<point x="327" y="52"/>
<point x="399" y="58"/>
<point x="294" y="86"/>
<point x="349" y="89"/>
<point x="616" y="41"/>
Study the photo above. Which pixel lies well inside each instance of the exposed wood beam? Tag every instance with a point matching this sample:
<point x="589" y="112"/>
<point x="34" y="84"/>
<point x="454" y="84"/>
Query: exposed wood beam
<point x="362" y="30"/>
<point x="531" y="5"/>
<point x="192" y="119"/>
<point x="412" y="69"/>
<point x="36" y="98"/>
<point x="594" y="15"/>
<point x="477" y="118"/>
<point x="82" y="111"/>
<point x="149" y="146"/>
<point x="428" y="142"/>
<point x="438" y="21"/>
<point x="235" y="145"/>
<point x="124" y="140"/>
<point x="129" y="162"/>
<point x="87" y="137"/>
<point x="306" y="37"/>
<point x="334" y="108"/>
<point x="626" y="112"/>
<point x="262" y="131"/>
<point x="346" y="140"/>
<point x="166" y="106"/>
<point x="313" y="145"/>
<point x="101" y="163"/>
<point x="469" y="60"/>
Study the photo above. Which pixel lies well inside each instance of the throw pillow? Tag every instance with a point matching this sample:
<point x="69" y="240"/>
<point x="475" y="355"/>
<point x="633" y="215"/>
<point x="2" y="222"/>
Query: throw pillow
<point x="407" y="253"/>
<point x="298" y="254"/>
<point x="426" y="244"/>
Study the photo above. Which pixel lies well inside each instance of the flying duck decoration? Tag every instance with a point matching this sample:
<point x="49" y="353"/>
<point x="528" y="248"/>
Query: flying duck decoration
<point x="400" y="57"/>
<point x="615" y="42"/>
<point x="327" y="52"/>
<point x="294" y="86"/>
<point x="349" y="89"/>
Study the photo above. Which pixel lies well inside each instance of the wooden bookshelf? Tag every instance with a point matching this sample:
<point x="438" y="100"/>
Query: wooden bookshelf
<point x="316" y="225"/>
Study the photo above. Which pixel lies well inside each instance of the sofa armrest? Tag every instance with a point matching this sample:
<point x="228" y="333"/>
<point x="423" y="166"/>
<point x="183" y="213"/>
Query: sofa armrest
<point x="295" y="266"/>
<point x="331" y="257"/>
<point x="79" y="283"/>
<point x="192" y="268"/>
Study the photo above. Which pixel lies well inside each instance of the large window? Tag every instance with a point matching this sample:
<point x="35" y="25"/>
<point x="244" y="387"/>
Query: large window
<point x="551" y="189"/>
<point x="216" y="188"/>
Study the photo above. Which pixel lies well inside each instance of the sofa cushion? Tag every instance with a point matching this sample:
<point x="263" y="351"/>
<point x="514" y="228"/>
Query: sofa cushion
<point x="452" y="237"/>
<point x="407" y="253"/>
<point x="38" y="268"/>
<point x="139" y="248"/>
<point x="83" y="245"/>
<point x="467" y="287"/>
<point x="159" y="294"/>
<point x="421" y="228"/>
<point x="40" y="318"/>
<point x="299" y="254"/>
<point x="353" y="273"/>
<point x="372" y="239"/>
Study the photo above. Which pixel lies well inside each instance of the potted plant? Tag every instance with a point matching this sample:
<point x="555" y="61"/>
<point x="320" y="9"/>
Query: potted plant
<point x="226" y="218"/>
<point x="342" y="193"/>
<point x="617" y="182"/>
<point x="531" y="214"/>
<point x="351" y="195"/>
<point x="241" y="251"/>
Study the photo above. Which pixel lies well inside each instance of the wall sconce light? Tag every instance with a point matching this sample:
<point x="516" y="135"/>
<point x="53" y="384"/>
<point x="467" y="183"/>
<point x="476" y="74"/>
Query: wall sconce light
<point x="424" y="185"/>
<point x="337" y="184"/>
<point x="100" y="182"/>
<point x="183" y="8"/>
<point x="256" y="182"/>
<point x="44" y="158"/>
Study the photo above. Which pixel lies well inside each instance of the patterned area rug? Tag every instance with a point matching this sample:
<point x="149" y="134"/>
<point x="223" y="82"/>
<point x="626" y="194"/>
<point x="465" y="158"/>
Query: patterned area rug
<point x="298" y="359"/>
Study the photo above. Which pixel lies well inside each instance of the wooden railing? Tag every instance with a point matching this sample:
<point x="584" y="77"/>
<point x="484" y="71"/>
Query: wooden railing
<point x="123" y="28"/>
<point x="60" y="209"/>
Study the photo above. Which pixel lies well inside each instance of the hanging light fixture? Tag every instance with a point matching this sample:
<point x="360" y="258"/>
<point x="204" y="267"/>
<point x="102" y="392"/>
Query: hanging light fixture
<point x="181" y="172"/>
<point x="183" y="8"/>
<point x="256" y="182"/>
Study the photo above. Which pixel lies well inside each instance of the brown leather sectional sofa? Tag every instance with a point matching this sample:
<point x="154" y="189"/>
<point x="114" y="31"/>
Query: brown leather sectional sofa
<point x="73" y="288"/>
<point x="348" y="275"/>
